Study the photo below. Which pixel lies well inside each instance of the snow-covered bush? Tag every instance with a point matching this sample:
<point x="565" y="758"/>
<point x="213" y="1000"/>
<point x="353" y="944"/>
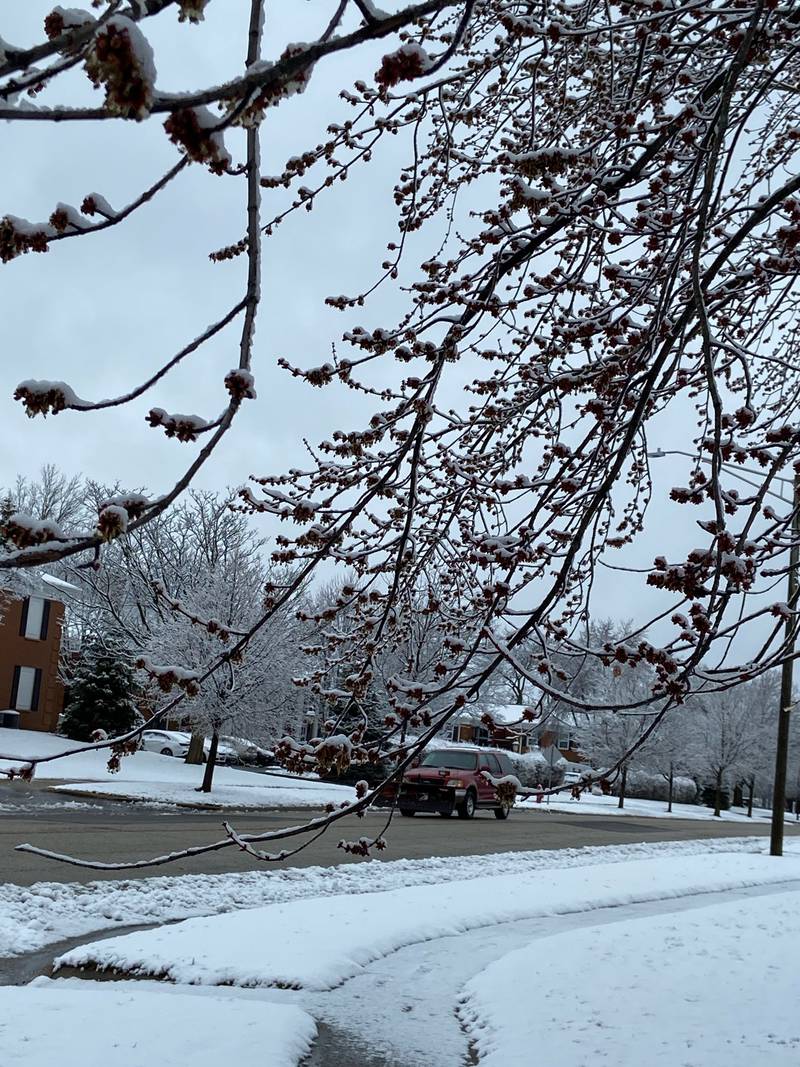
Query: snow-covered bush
<point x="644" y="785"/>
<point x="101" y="693"/>
<point x="533" y="769"/>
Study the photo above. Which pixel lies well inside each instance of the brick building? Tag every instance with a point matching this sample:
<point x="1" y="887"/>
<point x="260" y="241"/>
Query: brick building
<point x="30" y="643"/>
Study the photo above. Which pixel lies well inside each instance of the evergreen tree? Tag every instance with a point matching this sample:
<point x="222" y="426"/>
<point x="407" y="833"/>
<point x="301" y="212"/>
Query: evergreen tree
<point x="102" y="693"/>
<point x="6" y="511"/>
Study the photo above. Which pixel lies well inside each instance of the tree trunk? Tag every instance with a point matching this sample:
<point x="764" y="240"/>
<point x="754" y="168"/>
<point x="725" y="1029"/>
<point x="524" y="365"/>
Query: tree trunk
<point x="196" y="746"/>
<point x="622" y="784"/>
<point x="208" y="776"/>
<point x="718" y="795"/>
<point x="671" y="786"/>
<point x="751" y="790"/>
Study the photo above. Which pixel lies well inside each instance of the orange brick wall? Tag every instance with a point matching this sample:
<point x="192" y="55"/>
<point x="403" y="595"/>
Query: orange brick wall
<point x="19" y="651"/>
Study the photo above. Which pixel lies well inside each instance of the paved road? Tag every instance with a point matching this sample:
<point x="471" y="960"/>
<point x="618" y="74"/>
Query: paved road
<point x="114" y="832"/>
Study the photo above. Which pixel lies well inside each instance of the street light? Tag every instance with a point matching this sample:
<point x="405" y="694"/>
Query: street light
<point x="784" y="711"/>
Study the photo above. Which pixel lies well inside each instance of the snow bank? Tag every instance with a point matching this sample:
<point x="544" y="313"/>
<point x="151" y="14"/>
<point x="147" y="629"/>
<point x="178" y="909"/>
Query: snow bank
<point x="38" y="915"/>
<point x="686" y="988"/>
<point x="589" y="804"/>
<point x="45" y="1023"/>
<point x="176" y="780"/>
<point x="319" y="943"/>
<point x="267" y="793"/>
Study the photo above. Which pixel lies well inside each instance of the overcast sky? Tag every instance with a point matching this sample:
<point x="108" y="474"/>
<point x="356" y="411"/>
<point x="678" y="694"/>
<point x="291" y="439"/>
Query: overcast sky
<point x="103" y="312"/>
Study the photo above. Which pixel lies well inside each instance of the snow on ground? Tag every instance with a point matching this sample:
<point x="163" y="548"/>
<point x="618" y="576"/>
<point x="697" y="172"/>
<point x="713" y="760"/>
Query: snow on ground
<point x="404" y="1005"/>
<point x="152" y="777"/>
<point x="426" y="982"/>
<point x="655" y="809"/>
<point x="47" y="1023"/>
<point x="319" y="943"/>
<point x="714" y="987"/>
<point x="38" y="915"/>
<point x="266" y="792"/>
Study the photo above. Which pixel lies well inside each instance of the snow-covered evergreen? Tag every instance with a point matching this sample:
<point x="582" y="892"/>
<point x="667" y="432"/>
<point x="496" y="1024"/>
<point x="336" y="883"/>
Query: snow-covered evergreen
<point x="102" y="692"/>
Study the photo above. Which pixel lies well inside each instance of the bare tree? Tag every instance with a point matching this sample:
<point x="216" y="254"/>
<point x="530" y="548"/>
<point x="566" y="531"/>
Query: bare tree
<point x="728" y="736"/>
<point x="180" y="592"/>
<point x="609" y="738"/>
<point x="53" y="495"/>
<point x="670" y="749"/>
<point x="612" y="207"/>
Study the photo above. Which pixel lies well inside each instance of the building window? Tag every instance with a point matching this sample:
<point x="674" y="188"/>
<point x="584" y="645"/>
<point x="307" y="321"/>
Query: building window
<point x="25" y="689"/>
<point x="481" y="736"/>
<point x="35" y="618"/>
<point x="564" y="740"/>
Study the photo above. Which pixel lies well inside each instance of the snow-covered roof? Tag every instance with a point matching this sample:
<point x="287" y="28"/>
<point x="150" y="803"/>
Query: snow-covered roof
<point x="501" y="713"/>
<point x="59" y="583"/>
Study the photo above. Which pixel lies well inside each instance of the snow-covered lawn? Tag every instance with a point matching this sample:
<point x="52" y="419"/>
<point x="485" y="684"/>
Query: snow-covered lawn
<point x="266" y="792"/>
<point x="712" y="987"/>
<point x="49" y="1023"/>
<point x="654" y="809"/>
<point x="608" y="954"/>
<point x="151" y="777"/>
<point x="319" y="943"/>
<point x="38" y="915"/>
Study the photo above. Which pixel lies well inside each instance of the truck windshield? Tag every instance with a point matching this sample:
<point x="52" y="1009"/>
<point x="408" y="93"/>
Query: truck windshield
<point x="463" y="761"/>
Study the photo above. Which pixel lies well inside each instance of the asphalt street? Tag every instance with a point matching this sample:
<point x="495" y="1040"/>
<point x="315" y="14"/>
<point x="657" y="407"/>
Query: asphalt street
<point x="114" y="832"/>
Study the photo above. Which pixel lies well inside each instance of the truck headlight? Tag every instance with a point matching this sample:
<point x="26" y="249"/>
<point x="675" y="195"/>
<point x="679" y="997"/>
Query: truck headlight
<point x="455" y="783"/>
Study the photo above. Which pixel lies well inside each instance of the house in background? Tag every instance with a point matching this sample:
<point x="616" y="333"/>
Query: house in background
<point x="30" y="645"/>
<point x="560" y="735"/>
<point x="556" y="738"/>
<point x="468" y="727"/>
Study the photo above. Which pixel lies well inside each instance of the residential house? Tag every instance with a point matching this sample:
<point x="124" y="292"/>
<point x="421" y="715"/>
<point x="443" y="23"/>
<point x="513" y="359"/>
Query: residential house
<point x="559" y="735"/>
<point x="467" y="726"/>
<point x="30" y="645"/>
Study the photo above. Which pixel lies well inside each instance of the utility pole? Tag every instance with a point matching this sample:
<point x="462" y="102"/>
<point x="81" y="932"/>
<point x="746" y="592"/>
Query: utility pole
<point x="785" y="709"/>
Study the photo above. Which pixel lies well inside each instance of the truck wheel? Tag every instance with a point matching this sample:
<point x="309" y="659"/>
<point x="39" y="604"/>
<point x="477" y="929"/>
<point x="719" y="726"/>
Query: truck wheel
<point x="502" y="812"/>
<point x="466" y="809"/>
<point x="408" y="812"/>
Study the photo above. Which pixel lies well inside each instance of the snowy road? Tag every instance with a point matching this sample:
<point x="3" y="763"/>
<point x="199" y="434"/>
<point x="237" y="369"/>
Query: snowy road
<point x="122" y="832"/>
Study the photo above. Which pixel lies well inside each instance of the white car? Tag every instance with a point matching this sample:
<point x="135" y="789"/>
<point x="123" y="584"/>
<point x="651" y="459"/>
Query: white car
<point x="167" y="742"/>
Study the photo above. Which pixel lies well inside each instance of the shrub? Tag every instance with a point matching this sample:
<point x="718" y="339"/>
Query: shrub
<point x="709" y="797"/>
<point x="645" y="785"/>
<point x="533" y="769"/>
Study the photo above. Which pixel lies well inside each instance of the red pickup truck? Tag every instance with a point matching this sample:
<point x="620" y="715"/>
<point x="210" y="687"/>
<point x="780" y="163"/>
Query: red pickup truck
<point x="448" y="780"/>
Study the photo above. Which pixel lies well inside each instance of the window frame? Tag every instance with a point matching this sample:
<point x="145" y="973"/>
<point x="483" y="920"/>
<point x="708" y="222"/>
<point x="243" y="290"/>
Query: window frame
<point x="34" y="625"/>
<point x="35" y="688"/>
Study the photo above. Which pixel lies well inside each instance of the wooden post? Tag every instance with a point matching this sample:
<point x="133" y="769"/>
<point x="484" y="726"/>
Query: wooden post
<point x="784" y="711"/>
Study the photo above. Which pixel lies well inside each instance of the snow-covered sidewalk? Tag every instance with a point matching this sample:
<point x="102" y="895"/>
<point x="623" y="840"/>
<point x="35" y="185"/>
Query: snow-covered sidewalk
<point x="319" y="943"/>
<point x="507" y="962"/>
<point x="50" y="1023"/>
<point x="688" y="988"/>
<point x="38" y="915"/>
